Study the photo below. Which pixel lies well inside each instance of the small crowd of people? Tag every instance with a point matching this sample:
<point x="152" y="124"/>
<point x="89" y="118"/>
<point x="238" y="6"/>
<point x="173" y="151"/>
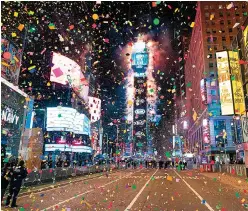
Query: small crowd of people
<point x="12" y="175"/>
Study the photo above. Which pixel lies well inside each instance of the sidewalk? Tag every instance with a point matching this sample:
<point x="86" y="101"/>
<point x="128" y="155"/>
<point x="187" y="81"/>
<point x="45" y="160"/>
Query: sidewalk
<point x="235" y="181"/>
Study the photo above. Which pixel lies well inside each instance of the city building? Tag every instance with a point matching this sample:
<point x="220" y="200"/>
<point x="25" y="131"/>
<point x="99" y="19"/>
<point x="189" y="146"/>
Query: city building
<point x="240" y="45"/>
<point x="210" y="132"/>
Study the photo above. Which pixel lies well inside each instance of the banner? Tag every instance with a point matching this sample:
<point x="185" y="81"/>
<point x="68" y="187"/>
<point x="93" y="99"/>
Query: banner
<point x="226" y="98"/>
<point x="237" y="86"/>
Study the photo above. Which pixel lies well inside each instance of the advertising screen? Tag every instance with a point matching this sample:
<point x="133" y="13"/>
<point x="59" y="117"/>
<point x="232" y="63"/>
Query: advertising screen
<point x="226" y="98"/>
<point x="237" y="84"/>
<point x="140" y="59"/>
<point x="66" y="71"/>
<point x="67" y="119"/>
<point x="67" y="148"/>
<point x="10" y="65"/>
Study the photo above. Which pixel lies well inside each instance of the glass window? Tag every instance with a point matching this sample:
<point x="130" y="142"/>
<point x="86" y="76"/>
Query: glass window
<point x="213" y="92"/>
<point x="222" y="22"/>
<point x="211" y="64"/>
<point x="210" y="56"/>
<point x="215" y="39"/>
<point x="214" y="102"/>
<point x="231" y="38"/>
<point x="206" y="7"/>
<point x="229" y="22"/>
<point x="221" y="14"/>
<point x="213" y="23"/>
<point x="213" y="83"/>
<point x="223" y="38"/>
<point x="215" y="48"/>
<point x="243" y="6"/>
<point x="228" y="14"/>
<point x="208" y="30"/>
<point x="214" y="31"/>
<point x="237" y="13"/>
<point x="206" y="14"/>
<point x="230" y="29"/>
<point x="220" y="7"/>
<point x="212" y="74"/>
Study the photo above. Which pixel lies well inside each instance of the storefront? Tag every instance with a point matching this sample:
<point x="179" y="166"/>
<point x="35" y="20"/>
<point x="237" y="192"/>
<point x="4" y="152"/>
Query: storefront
<point x="15" y="107"/>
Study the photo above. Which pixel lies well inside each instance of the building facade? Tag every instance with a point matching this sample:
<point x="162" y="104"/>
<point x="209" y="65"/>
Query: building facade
<point x="210" y="134"/>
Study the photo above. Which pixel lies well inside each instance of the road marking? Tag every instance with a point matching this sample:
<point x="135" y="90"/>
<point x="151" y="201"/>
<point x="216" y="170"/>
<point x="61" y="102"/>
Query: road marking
<point x="194" y="191"/>
<point x="137" y="196"/>
<point x="62" y="202"/>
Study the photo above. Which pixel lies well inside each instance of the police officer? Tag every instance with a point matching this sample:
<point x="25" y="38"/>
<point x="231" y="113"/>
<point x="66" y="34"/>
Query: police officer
<point x="19" y="173"/>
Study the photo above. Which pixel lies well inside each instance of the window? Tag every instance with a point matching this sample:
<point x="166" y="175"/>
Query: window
<point x="236" y="13"/>
<point x="212" y="74"/>
<point x="214" y="31"/>
<point x="208" y="30"/>
<point x="229" y="22"/>
<point x="215" y="39"/>
<point x="224" y="48"/>
<point x="243" y="6"/>
<point x="231" y="38"/>
<point x="223" y="38"/>
<point x="215" y="48"/>
<point x="213" y="23"/>
<point x="206" y="14"/>
<point x="220" y="7"/>
<point x="211" y="65"/>
<point x="230" y="30"/>
<point x="213" y="92"/>
<point x="206" y="7"/>
<point x="214" y="102"/>
<point x="222" y="30"/>
<point x="213" y="83"/>
<point x="210" y="56"/>
<point x="221" y="14"/>
<point x="222" y="22"/>
<point x="228" y="14"/>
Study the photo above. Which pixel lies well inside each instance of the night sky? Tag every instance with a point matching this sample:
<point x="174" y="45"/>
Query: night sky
<point x="119" y="23"/>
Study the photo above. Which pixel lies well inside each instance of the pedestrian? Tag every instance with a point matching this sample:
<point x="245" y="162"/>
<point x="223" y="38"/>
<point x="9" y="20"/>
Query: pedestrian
<point x="19" y="173"/>
<point x="5" y="178"/>
<point x="146" y="163"/>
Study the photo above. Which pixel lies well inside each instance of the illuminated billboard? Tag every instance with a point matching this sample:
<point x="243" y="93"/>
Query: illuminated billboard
<point x="67" y="119"/>
<point x="66" y="71"/>
<point x="237" y="84"/>
<point x="67" y="148"/>
<point x="11" y="61"/>
<point x="95" y="108"/>
<point x="226" y="98"/>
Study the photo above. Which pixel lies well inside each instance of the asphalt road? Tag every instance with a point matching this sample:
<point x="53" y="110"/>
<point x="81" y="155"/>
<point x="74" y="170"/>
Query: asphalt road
<point x="140" y="190"/>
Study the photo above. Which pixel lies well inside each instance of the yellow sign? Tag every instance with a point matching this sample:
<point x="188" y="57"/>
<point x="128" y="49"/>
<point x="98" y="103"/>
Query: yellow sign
<point x="226" y="98"/>
<point x="237" y="86"/>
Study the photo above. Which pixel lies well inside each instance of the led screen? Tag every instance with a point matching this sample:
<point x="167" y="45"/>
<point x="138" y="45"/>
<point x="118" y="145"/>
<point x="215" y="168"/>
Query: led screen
<point x="140" y="59"/>
<point x="67" y="119"/>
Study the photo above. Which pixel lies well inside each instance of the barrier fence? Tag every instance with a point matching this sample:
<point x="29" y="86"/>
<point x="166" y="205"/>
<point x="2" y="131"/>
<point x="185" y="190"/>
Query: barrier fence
<point x="56" y="174"/>
<point x="234" y="169"/>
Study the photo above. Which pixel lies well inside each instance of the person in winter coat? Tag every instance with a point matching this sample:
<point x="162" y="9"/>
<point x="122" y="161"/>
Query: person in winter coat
<point x="19" y="173"/>
<point x="5" y="178"/>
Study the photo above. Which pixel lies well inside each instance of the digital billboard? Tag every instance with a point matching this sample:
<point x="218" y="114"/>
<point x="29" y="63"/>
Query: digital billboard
<point x="226" y="98"/>
<point x="67" y="119"/>
<point x="67" y="148"/>
<point x="95" y="108"/>
<point x="66" y="71"/>
<point x="11" y="61"/>
<point x="237" y="84"/>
